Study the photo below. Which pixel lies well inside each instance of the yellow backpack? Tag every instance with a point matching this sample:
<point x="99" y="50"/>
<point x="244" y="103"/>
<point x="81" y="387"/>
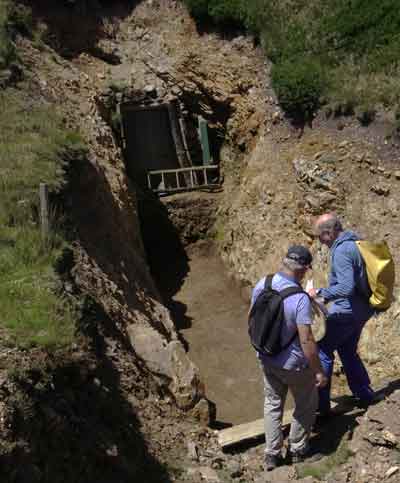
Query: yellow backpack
<point x="380" y="272"/>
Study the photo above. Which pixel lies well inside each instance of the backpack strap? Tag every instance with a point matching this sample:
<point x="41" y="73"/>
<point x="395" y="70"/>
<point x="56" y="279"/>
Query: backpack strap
<point x="287" y="292"/>
<point x="268" y="282"/>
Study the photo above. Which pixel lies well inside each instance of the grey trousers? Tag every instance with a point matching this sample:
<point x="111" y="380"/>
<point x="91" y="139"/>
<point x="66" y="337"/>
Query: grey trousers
<point x="301" y="384"/>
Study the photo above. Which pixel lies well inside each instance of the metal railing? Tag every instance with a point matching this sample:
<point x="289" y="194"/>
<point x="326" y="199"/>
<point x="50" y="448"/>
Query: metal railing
<point x="183" y="179"/>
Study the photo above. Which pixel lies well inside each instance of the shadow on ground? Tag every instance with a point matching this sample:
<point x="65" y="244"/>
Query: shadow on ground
<point x="166" y="255"/>
<point x="328" y="435"/>
<point x="72" y="421"/>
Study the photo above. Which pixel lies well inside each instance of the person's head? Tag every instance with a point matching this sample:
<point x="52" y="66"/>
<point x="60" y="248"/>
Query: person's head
<point x="328" y="227"/>
<point x="297" y="261"/>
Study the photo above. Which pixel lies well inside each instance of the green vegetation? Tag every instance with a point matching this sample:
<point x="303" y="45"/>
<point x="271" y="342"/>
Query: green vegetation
<point x="225" y="12"/>
<point x="15" y="18"/>
<point x="319" y="470"/>
<point x="7" y="48"/>
<point x="29" y="307"/>
<point x="299" y="86"/>
<point x="343" y="53"/>
<point x="34" y="148"/>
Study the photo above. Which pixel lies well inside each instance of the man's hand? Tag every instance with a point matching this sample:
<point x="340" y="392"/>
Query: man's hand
<point x="320" y="380"/>
<point x="312" y="293"/>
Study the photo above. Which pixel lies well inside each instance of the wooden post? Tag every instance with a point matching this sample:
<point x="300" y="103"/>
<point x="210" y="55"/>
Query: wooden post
<point x="205" y="176"/>
<point x="44" y="210"/>
<point x="205" y="146"/>
<point x="121" y="123"/>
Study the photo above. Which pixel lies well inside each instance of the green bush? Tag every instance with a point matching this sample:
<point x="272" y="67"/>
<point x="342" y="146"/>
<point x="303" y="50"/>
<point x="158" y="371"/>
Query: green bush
<point x="14" y="18"/>
<point x="299" y="85"/>
<point x="228" y="11"/>
<point x="21" y="20"/>
<point x="7" y="47"/>
<point x="366" y="114"/>
<point x="199" y="8"/>
<point x="352" y="41"/>
<point x="219" y="11"/>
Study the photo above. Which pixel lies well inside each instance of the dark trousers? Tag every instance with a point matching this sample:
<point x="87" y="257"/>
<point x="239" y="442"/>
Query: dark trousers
<point x="342" y="335"/>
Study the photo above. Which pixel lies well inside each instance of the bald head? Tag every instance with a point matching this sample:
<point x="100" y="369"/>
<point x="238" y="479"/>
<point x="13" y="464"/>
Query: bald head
<point x="328" y="227"/>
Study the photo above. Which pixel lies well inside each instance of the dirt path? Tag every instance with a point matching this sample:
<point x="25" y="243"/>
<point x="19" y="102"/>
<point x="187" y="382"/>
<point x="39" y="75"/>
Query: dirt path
<point x="216" y="333"/>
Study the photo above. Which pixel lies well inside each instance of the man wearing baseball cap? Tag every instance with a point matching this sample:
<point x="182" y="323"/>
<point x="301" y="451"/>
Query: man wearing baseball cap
<point x="296" y="368"/>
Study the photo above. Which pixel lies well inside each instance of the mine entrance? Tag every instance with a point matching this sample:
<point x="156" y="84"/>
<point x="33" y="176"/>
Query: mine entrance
<point x="149" y="144"/>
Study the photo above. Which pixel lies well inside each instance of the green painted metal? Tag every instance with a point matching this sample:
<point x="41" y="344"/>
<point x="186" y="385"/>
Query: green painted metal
<point x="205" y="146"/>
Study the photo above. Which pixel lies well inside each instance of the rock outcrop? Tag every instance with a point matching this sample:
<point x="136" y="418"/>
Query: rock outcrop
<point x="376" y="442"/>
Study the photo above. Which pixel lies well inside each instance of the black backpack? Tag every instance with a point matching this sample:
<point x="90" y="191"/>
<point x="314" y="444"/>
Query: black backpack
<point x="266" y="319"/>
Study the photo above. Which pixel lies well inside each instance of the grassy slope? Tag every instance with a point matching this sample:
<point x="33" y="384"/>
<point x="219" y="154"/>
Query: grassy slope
<point x="34" y="148"/>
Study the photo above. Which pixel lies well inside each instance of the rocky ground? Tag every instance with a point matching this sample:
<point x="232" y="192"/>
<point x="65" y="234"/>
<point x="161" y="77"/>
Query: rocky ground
<point x="109" y="409"/>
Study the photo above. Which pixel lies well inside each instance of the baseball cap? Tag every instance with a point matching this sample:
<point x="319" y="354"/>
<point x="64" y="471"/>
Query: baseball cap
<point x="300" y="254"/>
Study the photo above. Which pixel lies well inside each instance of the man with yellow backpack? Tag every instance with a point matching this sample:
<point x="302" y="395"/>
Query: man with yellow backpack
<point x="360" y="282"/>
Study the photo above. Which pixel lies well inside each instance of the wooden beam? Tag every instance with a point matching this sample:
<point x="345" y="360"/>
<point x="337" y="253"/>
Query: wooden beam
<point x="254" y="429"/>
<point x="121" y="125"/>
<point x="44" y="210"/>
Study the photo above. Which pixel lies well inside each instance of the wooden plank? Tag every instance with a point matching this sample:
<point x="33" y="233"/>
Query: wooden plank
<point x="241" y="432"/>
<point x="245" y="431"/>
<point x="121" y="125"/>
<point x="254" y="429"/>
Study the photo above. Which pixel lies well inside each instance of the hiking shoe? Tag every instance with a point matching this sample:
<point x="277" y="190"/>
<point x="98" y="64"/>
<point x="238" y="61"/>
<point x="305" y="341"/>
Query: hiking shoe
<point x="375" y="398"/>
<point x="272" y="461"/>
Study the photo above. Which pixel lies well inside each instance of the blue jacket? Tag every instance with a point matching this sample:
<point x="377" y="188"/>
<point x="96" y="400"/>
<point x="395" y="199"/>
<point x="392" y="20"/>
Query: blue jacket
<point x="348" y="284"/>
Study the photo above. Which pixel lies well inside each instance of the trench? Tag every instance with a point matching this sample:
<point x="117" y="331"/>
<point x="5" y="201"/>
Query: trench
<point x="217" y="336"/>
<point x="209" y="312"/>
<point x="205" y="303"/>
